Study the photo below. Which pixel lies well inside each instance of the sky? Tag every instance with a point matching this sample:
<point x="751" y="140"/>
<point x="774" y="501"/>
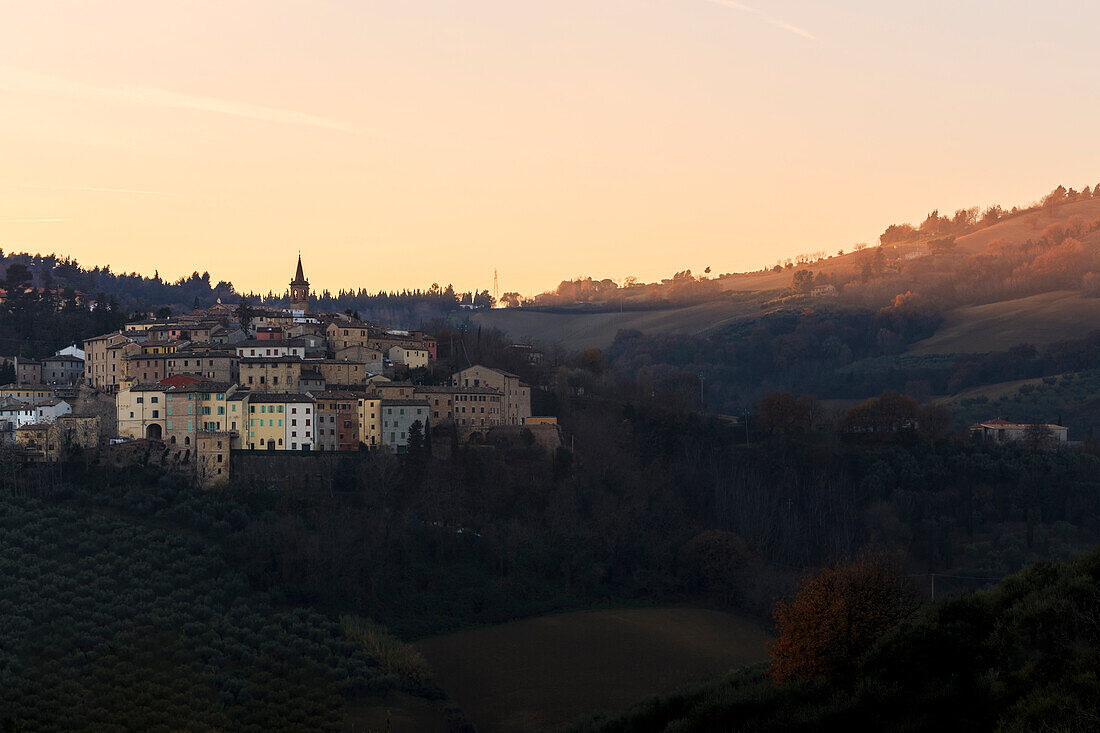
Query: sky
<point x="400" y="143"/>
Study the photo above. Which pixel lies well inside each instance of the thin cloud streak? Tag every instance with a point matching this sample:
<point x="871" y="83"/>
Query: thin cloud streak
<point x="96" y="189"/>
<point x="20" y="80"/>
<point x="766" y="18"/>
<point x="30" y="221"/>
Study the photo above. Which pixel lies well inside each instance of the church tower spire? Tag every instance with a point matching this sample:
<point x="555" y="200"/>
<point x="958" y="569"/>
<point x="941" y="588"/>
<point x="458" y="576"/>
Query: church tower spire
<point x="299" y="289"/>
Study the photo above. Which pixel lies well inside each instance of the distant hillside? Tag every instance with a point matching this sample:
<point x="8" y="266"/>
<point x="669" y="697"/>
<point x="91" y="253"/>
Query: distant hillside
<point x="582" y="329"/>
<point x="1036" y="319"/>
<point x="1006" y="278"/>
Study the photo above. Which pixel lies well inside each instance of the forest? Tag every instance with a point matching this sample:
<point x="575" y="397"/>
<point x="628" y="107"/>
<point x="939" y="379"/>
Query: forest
<point x="36" y="323"/>
<point x="132" y="293"/>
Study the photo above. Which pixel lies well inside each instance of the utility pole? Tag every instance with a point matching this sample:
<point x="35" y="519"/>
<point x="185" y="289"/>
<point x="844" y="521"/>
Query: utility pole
<point x="701" y="392"/>
<point x="496" y="288"/>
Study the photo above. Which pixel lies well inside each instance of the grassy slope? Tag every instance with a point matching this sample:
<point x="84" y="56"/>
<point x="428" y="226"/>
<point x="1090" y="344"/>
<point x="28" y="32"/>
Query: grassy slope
<point x="1037" y="319"/>
<point x="583" y="330"/>
<point x="545" y="672"/>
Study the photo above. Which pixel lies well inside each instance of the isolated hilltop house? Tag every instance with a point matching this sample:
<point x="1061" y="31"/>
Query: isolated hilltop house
<point x="827" y="290"/>
<point x="1003" y="431"/>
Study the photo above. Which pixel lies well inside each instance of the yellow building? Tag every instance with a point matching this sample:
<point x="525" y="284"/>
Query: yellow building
<point x="370" y="421"/>
<point x="410" y="356"/>
<point x="280" y="421"/>
<point x="140" y="411"/>
<point x="154" y="348"/>
<point x="27" y="392"/>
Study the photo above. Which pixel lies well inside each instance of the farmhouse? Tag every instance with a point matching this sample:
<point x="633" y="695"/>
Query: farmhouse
<point x="1003" y="431"/>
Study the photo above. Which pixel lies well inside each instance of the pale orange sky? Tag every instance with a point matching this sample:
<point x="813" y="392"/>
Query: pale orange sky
<point x="407" y="142"/>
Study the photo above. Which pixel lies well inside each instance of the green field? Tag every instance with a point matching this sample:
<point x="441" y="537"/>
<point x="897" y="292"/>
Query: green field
<point x="545" y="672"/>
<point x="1038" y="319"/>
<point x="581" y="330"/>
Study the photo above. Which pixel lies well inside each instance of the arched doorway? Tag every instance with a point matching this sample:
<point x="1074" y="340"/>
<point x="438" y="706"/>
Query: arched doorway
<point x="153" y="432"/>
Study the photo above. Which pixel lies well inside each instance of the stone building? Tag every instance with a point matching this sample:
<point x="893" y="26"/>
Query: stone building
<point x="271" y="374"/>
<point x="62" y="370"/>
<point x="212" y="459"/>
<point x="337" y="421"/>
<point x="516" y="395"/>
<point x="299" y="290"/>
<point x="104" y="363"/>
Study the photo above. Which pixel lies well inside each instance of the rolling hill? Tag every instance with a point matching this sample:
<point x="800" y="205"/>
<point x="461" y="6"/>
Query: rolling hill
<point x="582" y="329"/>
<point x="1037" y="319"/>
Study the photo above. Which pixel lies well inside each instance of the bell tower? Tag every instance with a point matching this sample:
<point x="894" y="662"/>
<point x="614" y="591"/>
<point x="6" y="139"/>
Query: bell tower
<point x="299" y="290"/>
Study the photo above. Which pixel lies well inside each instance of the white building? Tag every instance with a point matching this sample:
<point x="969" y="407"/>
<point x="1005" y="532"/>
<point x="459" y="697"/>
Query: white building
<point x="48" y="411"/>
<point x="268" y="348"/>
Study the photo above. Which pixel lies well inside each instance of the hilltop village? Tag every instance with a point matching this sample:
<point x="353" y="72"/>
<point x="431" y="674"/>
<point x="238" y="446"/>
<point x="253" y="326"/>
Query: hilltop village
<point x="229" y="379"/>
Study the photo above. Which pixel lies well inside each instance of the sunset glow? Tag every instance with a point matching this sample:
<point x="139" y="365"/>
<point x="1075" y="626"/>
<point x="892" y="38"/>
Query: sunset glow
<point x="544" y="140"/>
